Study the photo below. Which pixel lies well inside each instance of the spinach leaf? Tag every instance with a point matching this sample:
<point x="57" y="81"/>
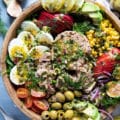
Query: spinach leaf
<point x="108" y="101"/>
<point x="83" y="27"/>
<point x="9" y="63"/>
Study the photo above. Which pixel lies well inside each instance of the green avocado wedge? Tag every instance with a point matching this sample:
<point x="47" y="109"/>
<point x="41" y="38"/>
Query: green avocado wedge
<point x="92" y="112"/>
<point x="87" y="109"/>
<point x="89" y="7"/>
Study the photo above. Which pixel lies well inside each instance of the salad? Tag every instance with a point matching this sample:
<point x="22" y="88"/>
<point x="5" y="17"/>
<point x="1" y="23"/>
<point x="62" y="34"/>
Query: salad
<point x="65" y="61"/>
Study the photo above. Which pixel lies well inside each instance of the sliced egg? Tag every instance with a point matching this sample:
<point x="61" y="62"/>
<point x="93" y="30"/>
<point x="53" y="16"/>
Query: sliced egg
<point x="30" y="27"/>
<point x="27" y="38"/>
<point x="17" y="51"/>
<point x="15" y="77"/>
<point x="44" y="38"/>
<point x="38" y="51"/>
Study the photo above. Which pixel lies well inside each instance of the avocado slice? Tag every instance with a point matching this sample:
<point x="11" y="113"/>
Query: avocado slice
<point x="96" y="17"/>
<point x="92" y="112"/>
<point x="80" y="106"/>
<point x="98" y="117"/>
<point x="89" y="7"/>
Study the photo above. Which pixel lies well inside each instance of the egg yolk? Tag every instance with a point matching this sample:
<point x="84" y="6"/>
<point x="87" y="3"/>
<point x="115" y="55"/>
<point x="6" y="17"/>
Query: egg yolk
<point x="18" y="53"/>
<point x="36" y="54"/>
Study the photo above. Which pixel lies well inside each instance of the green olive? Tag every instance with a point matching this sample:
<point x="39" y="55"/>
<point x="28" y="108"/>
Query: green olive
<point x="77" y="93"/>
<point x="52" y="99"/>
<point x="45" y="115"/>
<point x="56" y="105"/>
<point x="53" y="114"/>
<point x="69" y="114"/>
<point x="60" y="115"/>
<point x="67" y="106"/>
<point x="76" y="118"/>
<point x="60" y="97"/>
<point x="69" y="95"/>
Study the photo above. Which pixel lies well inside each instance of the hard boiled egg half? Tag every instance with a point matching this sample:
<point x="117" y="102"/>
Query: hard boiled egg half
<point x="38" y="51"/>
<point x="17" y="51"/>
<point x="27" y="39"/>
<point x="30" y="27"/>
<point x="15" y="77"/>
<point x="44" y="38"/>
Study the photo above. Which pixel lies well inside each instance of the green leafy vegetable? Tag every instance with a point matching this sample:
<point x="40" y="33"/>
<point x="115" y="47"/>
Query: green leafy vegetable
<point x="83" y="27"/>
<point x="108" y="101"/>
<point x="2" y="27"/>
<point x="9" y="63"/>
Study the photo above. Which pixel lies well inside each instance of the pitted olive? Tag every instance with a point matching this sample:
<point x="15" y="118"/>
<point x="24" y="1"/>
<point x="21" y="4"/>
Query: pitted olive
<point x="56" y="105"/>
<point x="60" y="97"/>
<point x="69" y="95"/>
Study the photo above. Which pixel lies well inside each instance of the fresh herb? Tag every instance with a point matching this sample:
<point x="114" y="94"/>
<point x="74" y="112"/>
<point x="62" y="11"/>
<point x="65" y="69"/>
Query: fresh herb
<point x="71" y="83"/>
<point x="2" y="27"/>
<point x="53" y="82"/>
<point x="116" y="72"/>
<point x="118" y="57"/>
<point x="33" y="79"/>
<point x="83" y="27"/>
<point x="9" y="63"/>
<point x="108" y="101"/>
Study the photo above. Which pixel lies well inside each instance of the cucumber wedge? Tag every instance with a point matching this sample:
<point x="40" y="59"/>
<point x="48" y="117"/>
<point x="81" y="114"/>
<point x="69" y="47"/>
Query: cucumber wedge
<point x="113" y="89"/>
<point x="96" y="17"/>
<point x="89" y="7"/>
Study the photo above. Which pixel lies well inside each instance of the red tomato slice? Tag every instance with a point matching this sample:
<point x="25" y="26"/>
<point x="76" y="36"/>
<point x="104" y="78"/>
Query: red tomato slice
<point x="41" y="104"/>
<point x="106" y="62"/>
<point x="22" y="93"/>
<point x="29" y="102"/>
<point x="38" y="94"/>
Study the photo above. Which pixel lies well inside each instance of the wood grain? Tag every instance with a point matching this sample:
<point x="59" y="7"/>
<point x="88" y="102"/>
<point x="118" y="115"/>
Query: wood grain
<point x="12" y="34"/>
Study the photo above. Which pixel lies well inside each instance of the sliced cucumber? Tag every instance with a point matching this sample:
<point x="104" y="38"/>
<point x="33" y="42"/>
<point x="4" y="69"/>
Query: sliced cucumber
<point x="96" y="16"/>
<point x="89" y="7"/>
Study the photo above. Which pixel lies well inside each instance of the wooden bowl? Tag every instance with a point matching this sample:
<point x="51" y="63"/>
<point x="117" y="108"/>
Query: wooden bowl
<point x="12" y="33"/>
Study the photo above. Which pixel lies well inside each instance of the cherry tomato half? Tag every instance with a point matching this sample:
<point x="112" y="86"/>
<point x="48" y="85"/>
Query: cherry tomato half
<point x="28" y="102"/>
<point x="22" y="93"/>
<point x="41" y="104"/>
<point x="38" y="94"/>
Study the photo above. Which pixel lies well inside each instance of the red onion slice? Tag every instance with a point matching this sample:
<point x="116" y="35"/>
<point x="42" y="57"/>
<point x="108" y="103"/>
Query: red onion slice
<point x="106" y="113"/>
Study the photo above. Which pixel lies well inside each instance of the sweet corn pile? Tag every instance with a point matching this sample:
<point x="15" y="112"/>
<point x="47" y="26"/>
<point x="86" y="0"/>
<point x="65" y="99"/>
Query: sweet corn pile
<point x="103" y="39"/>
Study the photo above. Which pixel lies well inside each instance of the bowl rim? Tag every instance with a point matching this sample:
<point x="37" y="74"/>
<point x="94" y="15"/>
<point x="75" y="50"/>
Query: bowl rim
<point x="12" y="33"/>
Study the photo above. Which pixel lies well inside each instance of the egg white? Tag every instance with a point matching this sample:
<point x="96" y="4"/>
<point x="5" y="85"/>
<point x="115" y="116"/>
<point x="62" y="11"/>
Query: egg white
<point x="16" y="48"/>
<point x="14" y="77"/>
<point x="44" y="37"/>
<point x="38" y="51"/>
<point x="26" y="38"/>
<point x="30" y="27"/>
